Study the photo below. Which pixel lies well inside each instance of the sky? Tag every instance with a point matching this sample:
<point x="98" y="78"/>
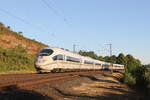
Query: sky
<point x="90" y="24"/>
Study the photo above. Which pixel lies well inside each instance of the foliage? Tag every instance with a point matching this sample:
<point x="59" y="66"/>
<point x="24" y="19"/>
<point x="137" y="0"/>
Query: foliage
<point x="107" y="59"/>
<point x="121" y="59"/>
<point x="129" y="79"/>
<point x="140" y="75"/>
<point x="100" y="58"/>
<point x="15" y="59"/>
<point x="89" y="53"/>
<point x="137" y="77"/>
<point x="113" y="59"/>
<point x="135" y="70"/>
<point x="135" y="74"/>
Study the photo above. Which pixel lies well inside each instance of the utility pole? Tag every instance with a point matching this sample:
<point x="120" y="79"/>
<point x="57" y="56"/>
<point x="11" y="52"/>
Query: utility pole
<point x="110" y="50"/>
<point x="74" y="48"/>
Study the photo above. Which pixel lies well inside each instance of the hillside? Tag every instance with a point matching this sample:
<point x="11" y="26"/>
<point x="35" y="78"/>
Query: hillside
<point x="11" y="39"/>
<point x="16" y="51"/>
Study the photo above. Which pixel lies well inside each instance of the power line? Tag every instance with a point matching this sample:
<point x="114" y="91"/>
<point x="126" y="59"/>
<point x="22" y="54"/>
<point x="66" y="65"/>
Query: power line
<point x="22" y="20"/>
<point x="55" y="11"/>
<point x="14" y="16"/>
<point x="48" y="5"/>
<point x="103" y="50"/>
<point x="64" y="17"/>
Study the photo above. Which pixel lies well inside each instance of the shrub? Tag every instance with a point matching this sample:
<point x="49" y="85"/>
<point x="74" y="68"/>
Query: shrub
<point x="15" y="59"/>
<point x="137" y="77"/>
<point x="140" y="74"/>
<point x="129" y="79"/>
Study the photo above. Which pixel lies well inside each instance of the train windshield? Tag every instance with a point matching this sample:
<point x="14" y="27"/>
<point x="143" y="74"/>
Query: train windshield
<point x="46" y="52"/>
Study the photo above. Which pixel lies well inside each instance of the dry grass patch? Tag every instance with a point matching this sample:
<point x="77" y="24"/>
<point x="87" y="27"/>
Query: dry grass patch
<point x="104" y="86"/>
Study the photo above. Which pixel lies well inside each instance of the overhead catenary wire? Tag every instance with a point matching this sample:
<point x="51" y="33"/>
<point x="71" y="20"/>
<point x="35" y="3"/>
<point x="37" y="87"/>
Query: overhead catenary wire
<point x="55" y="11"/>
<point x="14" y="16"/>
<point x="103" y="51"/>
<point x="23" y="20"/>
<point x="65" y="18"/>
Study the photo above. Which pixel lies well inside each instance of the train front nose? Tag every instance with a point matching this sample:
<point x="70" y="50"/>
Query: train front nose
<point x="38" y="64"/>
<point x="43" y="58"/>
<point x="43" y="65"/>
<point x="42" y="61"/>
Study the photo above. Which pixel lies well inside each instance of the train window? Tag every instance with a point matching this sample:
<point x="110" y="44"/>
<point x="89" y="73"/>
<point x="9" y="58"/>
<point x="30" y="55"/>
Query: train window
<point x="68" y="58"/>
<point x="105" y="65"/>
<point x="88" y="62"/>
<point x="58" y="57"/>
<point x="46" y="52"/>
<point x="97" y="64"/>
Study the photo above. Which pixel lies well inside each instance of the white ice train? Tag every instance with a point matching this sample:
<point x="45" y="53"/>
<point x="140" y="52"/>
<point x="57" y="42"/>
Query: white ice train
<point x="60" y="60"/>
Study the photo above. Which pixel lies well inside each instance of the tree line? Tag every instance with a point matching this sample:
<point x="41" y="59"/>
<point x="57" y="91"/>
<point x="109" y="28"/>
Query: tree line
<point x="127" y="60"/>
<point x="135" y="74"/>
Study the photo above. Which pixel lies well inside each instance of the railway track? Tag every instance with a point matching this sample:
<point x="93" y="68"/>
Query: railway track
<point x="27" y="80"/>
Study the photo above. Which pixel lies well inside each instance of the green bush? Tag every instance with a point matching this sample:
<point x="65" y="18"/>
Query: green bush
<point x="15" y="59"/>
<point x="140" y="74"/>
<point x="129" y="79"/>
<point x="137" y="77"/>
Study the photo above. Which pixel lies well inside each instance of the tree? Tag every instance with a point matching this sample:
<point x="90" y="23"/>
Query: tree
<point x="138" y="62"/>
<point x="100" y="58"/>
<point x="132" y="63"/>
<point x="82" y="53"/>
<point x="8" y="27"/>
<point x="106" y="59"/>
<point x="89" y="53"/>
<point x="113" y="59"/>
<point x="121" y="59"/>
<point x="139" y="74"/>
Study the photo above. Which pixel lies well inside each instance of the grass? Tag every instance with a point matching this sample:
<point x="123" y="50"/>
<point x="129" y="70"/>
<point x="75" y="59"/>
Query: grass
<point x="16" y="59"/>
